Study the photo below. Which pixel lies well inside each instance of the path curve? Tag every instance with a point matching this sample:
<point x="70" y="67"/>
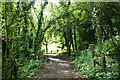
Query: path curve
<point x="58" y="66"/>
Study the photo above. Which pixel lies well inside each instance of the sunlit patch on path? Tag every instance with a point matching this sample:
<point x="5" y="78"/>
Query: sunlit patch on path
<point x="57" y="67"/>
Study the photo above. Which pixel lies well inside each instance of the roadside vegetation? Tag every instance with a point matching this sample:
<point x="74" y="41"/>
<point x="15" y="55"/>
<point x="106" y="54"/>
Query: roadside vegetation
<point x="88" y="32"/>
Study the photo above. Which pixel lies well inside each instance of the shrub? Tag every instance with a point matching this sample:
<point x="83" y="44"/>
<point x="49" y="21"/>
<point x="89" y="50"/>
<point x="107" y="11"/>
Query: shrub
<point x="29" y="69"/>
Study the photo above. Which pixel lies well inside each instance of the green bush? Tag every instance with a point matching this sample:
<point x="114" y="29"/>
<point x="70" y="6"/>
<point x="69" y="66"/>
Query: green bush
<point x="29" y="69"/>
<point x="86" y="70"/>
<point x="84" y="62"/>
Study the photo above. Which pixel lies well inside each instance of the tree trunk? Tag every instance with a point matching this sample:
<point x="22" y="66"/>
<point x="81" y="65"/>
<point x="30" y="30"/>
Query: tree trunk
<point x="75" y="38"/>
<point x="37" y="38"/>
<point x="101" y="41"/>
<point x="85" y="51"/>
<point x="71" y="39"/>
<point x="6" y="50"/>
<point x="72" y="45"/>
<point x="93" y="55"/>
<point x="119" y="69"/>
<point x="104" y="63"/>
<point x="46" y="47"/>
<point x="68" y="48"/>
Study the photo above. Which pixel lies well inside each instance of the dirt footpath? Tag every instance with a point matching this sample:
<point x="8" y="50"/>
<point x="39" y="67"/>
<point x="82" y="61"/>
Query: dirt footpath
<point x="58" y="66"/>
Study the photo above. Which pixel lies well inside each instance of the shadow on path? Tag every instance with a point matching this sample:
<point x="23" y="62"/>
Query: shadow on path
<point x="58" y="66"/>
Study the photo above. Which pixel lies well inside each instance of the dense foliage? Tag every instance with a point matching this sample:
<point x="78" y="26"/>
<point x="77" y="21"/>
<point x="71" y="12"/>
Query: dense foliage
<point x="18" y="40"/>
<point x="89" y="31"/>
<point x="85" y="63"/>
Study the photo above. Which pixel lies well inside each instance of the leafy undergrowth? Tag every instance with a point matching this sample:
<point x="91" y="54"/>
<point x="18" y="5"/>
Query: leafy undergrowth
<point x="84" y="61"/>
<point x="29" y="69"/>
<point x="87" y="70"/>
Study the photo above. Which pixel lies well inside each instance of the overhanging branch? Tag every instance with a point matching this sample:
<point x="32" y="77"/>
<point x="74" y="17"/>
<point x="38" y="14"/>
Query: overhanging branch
<point x="65" y="14"/>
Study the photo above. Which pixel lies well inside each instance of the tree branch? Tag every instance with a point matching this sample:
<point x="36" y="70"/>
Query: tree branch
<point x="65" y="14"/>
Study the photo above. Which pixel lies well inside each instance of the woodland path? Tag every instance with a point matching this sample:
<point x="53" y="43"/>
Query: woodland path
<point x="58" y="66"/>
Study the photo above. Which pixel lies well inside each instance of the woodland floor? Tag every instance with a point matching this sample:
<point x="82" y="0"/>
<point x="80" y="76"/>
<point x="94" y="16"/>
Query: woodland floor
<point x="58" y="66"/>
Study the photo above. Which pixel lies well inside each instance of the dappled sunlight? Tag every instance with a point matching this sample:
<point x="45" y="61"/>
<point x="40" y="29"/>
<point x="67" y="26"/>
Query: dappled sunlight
<point x="50" y="67"/>
<point x="51" y="55"/>
<point x="64" y="64"/>
<point x="57" y="67"/>
<point x="65" y="71"/>
<point x="57" y="60"/>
